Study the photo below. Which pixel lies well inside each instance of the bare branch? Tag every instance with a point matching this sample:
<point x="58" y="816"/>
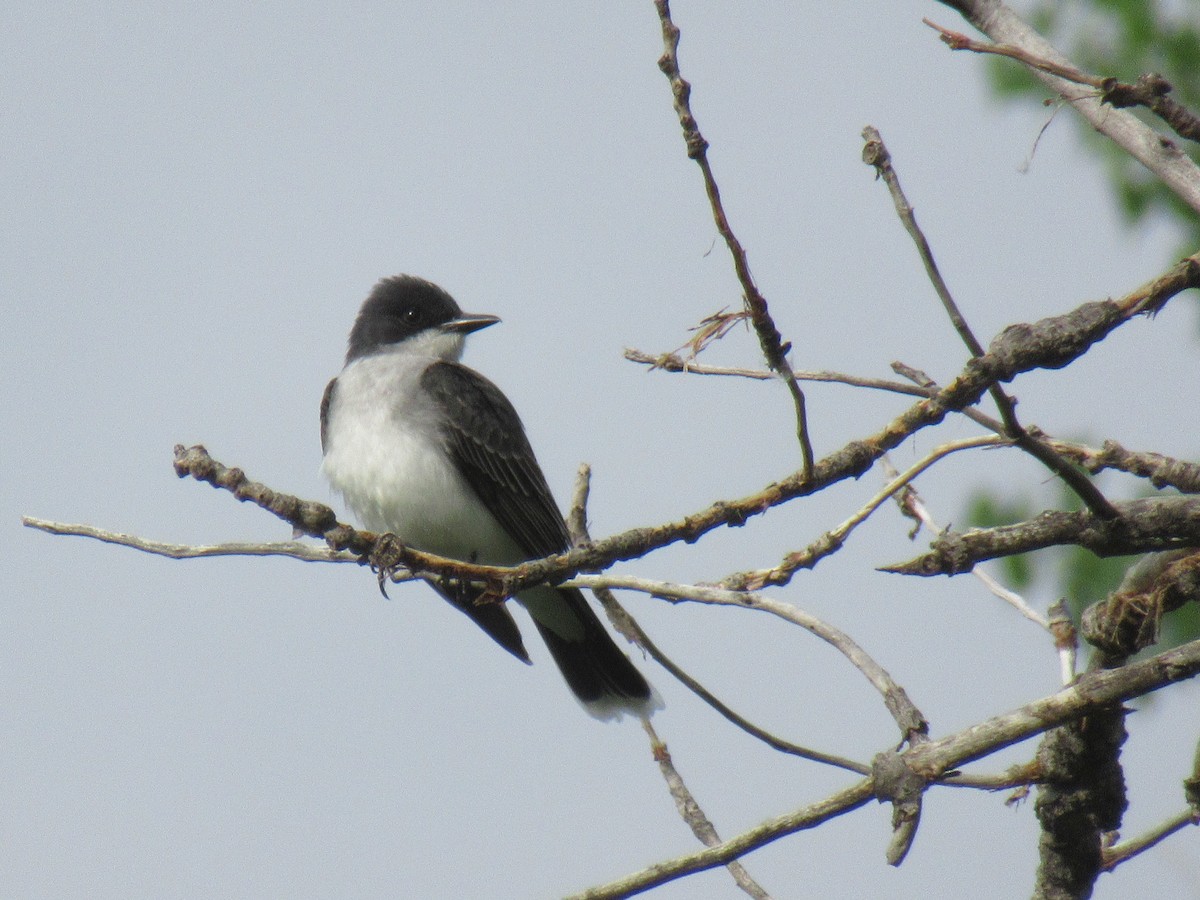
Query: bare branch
<point x="1150" y="90"/>
<point x="685" y="802"/>
<point x="1163" y="471"/>
<point x="931" y="759"/>
<point x="1158" y="154"/>
<point x="1127" y="850"/>
<point x="671" y="362"/>
<point x="290" y="549"/>
<point x="773" y="347"/>
<point x="876" y="154"/>
<point x="832" y="540"/>
<point x="694" y="816"/>
<point x="807" y="817"/>
<point x="1090" y="691"/>
<point x="958" y="41"/>
<point x="911" y="722"/>
<point x="577" y="526"/>
<point x="597" y="584"/>
<point x="1142" y="526"/>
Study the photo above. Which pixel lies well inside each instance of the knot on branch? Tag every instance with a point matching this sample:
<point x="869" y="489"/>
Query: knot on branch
<point x="1151" y="298"/>
<point x="1191" y="793"/>
<point x="1082" y="798"/>
<point x="1143" y="92"/>
<point x="343" y="537"/>
<point x="856" y="458"/>
<point x="894" y="782"/>
<point x="313" y="519"/>
<point x="1049" y="343"/>
<point x="949" y="554"/>
<point x="1129" y="620"/>
<point x="1163" y="471"/>
<point x="733" y="515"/>
<point x="874" y="152"/>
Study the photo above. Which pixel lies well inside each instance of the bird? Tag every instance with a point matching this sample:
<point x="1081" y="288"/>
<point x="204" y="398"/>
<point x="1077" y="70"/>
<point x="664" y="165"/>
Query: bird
<point x="420" y="446"/>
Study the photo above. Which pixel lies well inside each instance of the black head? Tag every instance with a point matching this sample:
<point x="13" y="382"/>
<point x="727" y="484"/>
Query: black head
<point x="403" y="306"/>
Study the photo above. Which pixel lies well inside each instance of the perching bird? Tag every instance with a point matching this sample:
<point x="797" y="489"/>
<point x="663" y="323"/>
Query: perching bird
<point x="431" y="451"/>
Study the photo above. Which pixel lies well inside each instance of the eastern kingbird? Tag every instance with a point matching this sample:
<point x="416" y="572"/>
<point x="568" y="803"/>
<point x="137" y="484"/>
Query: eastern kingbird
<point x="433" y="452"/>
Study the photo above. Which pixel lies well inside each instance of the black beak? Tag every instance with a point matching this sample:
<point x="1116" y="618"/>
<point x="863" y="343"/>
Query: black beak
<point x="466" y="323"/>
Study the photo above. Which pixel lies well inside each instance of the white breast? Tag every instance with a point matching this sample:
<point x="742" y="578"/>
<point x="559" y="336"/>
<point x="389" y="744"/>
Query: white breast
<point x="384" y="454"/>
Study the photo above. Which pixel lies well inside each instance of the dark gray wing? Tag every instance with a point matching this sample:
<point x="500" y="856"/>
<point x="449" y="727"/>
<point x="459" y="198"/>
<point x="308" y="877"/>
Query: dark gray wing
<point x="326" y="399"/>
<point x="485" y="436"/>
<point x="494" y="618"/>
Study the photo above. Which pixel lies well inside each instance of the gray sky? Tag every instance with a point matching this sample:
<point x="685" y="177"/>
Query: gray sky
<point x="197" y="198"/>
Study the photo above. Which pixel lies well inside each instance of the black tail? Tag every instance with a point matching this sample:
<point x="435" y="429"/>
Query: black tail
<point x="494" y="618"/>
<point x="595" y="668"/>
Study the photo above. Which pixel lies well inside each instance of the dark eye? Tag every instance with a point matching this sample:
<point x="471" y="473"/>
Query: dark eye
<point x="411" y="316"/>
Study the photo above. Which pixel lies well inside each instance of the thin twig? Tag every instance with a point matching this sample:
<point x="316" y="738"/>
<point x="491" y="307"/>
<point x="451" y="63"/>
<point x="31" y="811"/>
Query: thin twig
<point x="694" y="816"/>
<point x="832" y="540"/>
<point x="1162" y="157"/>
<point x="958" y="41"/>
<point x="773" y="347"/>
<point x="908" y="718"/>
<point x="1142" y="526"/>
<point x="601" y="586"/>
<point x="1150" y="90"/>
<point x="914" y="505"/>
<point x="290" y="549"/>
<point x="685" y="802"/>
<point x="875" y="153"/>
<point x="933" y="758"/>
<point x="807" y="817"/>
<point x="672" y="362"/>
<point x="1111" y="857"/>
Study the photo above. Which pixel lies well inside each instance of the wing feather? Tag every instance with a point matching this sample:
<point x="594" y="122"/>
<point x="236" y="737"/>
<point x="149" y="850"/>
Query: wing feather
<point x="486" y="437"/>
